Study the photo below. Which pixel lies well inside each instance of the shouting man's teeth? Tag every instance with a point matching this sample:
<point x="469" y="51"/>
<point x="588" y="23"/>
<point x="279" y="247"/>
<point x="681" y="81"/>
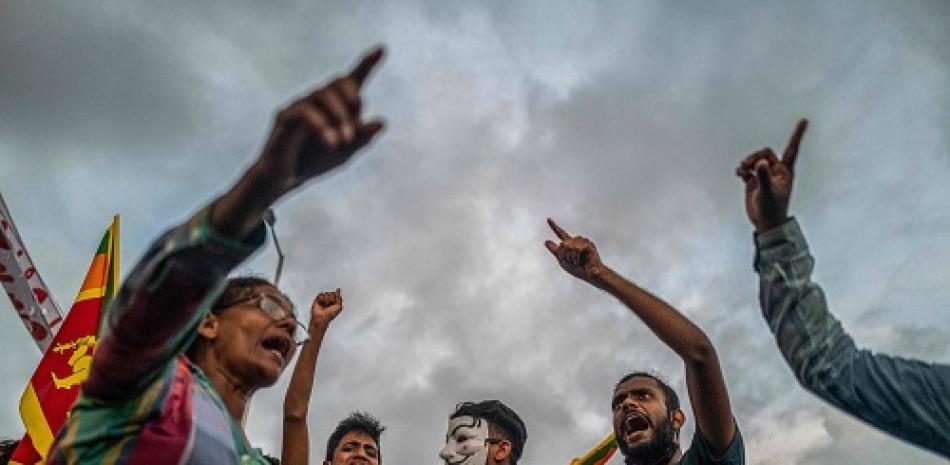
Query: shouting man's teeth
<point x="635" y="423"/>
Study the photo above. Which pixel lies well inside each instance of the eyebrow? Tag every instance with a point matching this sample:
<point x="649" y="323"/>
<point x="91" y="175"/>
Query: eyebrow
<point x="360" y="444"/>
<point x="637" y="390"/>
<point x="474" y="423"/>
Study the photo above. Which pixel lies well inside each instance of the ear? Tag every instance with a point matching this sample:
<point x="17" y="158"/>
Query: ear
<point x="500" y="451"/>
<point x="209" y="327"/>
<point x="677" y="419"/>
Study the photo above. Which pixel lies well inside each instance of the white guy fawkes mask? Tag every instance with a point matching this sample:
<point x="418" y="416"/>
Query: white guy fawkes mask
<point x="466" y="441"/>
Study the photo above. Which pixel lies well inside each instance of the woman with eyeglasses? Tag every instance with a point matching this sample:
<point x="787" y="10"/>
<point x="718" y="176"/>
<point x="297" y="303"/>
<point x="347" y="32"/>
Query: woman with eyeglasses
<point x="182" y="350"/>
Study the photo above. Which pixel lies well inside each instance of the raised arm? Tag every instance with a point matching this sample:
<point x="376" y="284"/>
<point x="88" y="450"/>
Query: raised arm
<point x="909" y="399"/>
<point x="707" y="389"/>
<point x="296" y="443"/>
<point x="170" y="288"/>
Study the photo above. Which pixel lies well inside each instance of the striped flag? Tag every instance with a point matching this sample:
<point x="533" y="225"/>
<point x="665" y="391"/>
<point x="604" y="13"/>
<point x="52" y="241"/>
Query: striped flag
<point x="27" y="292"/>
<point x="600" y="454"/>
<point x="54" y="387"/>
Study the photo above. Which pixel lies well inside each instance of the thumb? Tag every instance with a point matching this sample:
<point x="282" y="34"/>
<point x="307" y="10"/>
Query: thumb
<point x="366" y="132"/>
<point x="763" y="175"/>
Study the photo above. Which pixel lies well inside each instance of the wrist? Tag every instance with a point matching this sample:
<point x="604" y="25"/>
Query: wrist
<point x="766" y="225"/>
<point x="262" y="185"/>
<point x="317" y="328"/>
<point x="602" y="277"/>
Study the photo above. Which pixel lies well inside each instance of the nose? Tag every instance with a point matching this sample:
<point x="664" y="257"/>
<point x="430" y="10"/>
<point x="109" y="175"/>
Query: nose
<point x="629" y="403"/>
<point x="445" y="454"/>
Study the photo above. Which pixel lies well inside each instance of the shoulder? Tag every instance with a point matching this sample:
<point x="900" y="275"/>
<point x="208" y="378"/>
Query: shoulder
<point x="700" y="454"/>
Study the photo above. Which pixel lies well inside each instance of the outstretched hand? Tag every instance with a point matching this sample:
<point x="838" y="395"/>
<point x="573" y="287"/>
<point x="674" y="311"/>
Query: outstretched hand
<point x="768" y="182"/>
<point x="321" y="131"/>
<point x="577" y="255"/>
<point x="326" y="306"/>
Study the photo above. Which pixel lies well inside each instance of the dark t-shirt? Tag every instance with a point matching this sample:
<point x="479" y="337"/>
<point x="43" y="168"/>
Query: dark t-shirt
<point x="699" y="453"/>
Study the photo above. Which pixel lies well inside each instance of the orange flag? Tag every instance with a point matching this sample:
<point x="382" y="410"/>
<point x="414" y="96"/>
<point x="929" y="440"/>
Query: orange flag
<point x="54" y="387"/>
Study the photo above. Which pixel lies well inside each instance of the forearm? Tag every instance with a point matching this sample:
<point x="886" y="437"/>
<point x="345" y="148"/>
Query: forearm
<point x="811" y="339"/>
<point x="164" y="296"/>
<point x="296" y="443"/>
<point x="296" y="446"/>
<point x="239" y="211"/>
<point x="677" y="332"/>
<point x="297" y="400"/>
<point x="907" y="398"/>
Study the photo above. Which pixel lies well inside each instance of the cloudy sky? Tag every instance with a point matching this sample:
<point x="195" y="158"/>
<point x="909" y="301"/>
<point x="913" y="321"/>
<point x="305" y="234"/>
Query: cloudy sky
<point x="623" y="120"/>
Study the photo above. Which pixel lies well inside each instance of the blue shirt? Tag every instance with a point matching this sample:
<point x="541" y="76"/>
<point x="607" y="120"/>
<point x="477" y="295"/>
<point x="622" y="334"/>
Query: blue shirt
<point x="909" y="399"/>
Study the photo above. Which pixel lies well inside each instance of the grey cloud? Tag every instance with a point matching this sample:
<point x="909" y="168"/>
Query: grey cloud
<point x="624" y="122"/>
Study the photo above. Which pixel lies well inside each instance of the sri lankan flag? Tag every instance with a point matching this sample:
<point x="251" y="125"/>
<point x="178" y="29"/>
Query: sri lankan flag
<point x="54" y="387"/>
<point x="600" y="454"/>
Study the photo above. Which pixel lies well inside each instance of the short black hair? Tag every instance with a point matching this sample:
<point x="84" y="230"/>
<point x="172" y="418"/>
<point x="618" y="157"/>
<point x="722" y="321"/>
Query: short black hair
<point x="361" y="422"/>
<point x="672" y="400"/>
<point x="502" y="420"/>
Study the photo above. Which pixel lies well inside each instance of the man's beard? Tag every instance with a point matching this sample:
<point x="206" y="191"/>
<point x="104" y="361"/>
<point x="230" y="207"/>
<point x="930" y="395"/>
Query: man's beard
<point x="660" y="449"/>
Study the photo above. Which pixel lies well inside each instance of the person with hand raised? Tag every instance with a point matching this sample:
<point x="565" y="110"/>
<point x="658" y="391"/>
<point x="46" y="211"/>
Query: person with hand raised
<point x="296" y="441"/>
<point x="646" y="414"/>
<point x="909" y="399"/>
<point x="183" y="349"/>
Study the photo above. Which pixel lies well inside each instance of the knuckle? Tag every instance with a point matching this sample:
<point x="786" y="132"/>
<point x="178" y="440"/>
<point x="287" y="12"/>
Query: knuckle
<point x="286" y="115"/>
<point x="350" y="90"/>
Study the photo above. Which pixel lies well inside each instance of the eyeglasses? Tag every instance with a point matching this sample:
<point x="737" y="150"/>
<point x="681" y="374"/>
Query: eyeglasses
<point x="277" y="310"/>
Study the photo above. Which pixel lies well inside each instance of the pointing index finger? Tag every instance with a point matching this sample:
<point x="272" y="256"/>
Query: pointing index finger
<point x="560" y="233"/>
<point x="791" y="152"/>
<point x="366" y="66"/>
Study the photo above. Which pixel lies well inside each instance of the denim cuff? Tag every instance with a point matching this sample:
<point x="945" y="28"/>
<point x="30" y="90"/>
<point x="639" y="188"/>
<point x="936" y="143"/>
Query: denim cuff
<point x="779" y="244"/>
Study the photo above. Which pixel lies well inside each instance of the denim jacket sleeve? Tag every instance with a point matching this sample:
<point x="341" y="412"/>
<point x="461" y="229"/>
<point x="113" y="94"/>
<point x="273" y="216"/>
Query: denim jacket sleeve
<point x="163" y="299"/>
<point x="909" y="399"/>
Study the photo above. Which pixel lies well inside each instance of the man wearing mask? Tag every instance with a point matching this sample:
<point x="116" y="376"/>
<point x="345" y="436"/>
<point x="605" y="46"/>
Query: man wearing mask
<point x="484" y="433"/>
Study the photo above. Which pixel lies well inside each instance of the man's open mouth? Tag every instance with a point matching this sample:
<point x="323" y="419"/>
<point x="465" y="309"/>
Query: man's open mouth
<point x="634" y="423"/>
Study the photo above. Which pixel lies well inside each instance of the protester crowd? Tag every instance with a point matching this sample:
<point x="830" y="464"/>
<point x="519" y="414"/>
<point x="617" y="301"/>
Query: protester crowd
<point x="185" y="347"/>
